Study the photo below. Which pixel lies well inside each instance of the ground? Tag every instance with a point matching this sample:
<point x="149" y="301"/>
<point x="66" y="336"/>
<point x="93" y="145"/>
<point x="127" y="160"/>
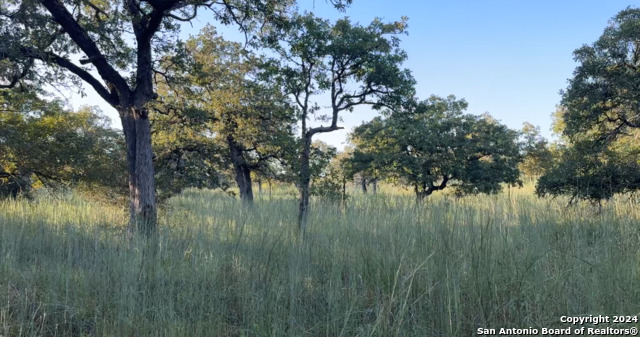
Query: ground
<point x="379" y="266"/>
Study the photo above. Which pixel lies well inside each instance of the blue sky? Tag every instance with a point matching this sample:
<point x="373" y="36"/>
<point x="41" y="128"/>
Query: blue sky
<point x="506" y="57"/>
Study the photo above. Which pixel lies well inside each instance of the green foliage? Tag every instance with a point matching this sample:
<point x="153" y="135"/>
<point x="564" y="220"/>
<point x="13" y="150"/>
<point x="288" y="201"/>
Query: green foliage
<point x="434" y="145"/>
<point x="356" y="64"/>
<point x="29" y="32"/>
<point x="599" y="117"/>
<point x="42" y="142"/>
<point x="587" y="171"/>
<point x="202" y="121"/>
<point x="326" y="174"/>
<point x="186" y="162"/>
<point x="328" y="186"/>
<point x="321" y="156"/>
<point x="537" y="156"/>
<point x="603" y="96"/>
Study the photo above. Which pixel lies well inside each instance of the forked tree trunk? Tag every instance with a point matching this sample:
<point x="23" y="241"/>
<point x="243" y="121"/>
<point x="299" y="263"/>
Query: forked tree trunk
<point x="424" y="190"/>
<point x="142" y="206"/>
<point x="305" y="180"/>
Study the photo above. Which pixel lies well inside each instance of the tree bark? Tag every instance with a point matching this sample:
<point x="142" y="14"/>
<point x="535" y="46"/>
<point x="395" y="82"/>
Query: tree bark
<point x="427" y="189"/>
<point x="142" y="206"/>
<point x="305" y="180"/>
<point x="363" y="183"/>
<point x="259" y="185"/>
<point x="242" y="172"/>
<point x="375" y="185"/>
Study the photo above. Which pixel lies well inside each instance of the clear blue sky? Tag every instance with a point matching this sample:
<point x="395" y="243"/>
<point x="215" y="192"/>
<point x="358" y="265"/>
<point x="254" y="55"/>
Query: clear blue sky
<point x="506" y="57"/>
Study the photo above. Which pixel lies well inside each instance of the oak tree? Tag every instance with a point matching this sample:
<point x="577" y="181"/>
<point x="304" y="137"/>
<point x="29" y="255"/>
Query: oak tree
<point x="119" y="43"/>
<point x="352" y="64"/>
<point x="603" y="96"/>
<point x="240" y="118"/>
<point x="434" y="145"/>
<point x="599" y="117"/>
<point x="537" y="156"/>
<point x="44" y="143"/>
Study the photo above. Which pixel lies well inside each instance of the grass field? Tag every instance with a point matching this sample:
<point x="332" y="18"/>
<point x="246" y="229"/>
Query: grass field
<point x="381" y="266"/>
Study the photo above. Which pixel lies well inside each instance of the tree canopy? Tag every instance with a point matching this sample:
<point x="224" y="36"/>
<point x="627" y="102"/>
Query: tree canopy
<point x="537" y="155"/>
<point x="599" y="117"/>
<point x="120" y="44"/>
<point x="434" y="145"/>
<point x="239" y="120"/>
<point x="355" y="65"/>
<point x="42" y="142"/>
<point x="602" y="97"/>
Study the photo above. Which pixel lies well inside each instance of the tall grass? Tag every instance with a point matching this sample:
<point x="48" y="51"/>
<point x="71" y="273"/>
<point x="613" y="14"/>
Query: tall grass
<point x="380" y="266"/>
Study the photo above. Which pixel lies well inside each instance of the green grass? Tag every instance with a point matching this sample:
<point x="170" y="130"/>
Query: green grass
<point x="381" y="266"/>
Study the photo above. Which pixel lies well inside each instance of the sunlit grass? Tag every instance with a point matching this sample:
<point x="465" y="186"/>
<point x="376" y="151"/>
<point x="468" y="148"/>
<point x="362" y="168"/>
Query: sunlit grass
<point x="379" y="266"/>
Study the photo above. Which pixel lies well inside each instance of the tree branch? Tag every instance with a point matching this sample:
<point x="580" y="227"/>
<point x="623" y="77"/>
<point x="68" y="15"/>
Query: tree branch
<point x="65" y="19"/>
<point x="66" y="64"/>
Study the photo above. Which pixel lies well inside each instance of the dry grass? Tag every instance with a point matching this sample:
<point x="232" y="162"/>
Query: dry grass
<point x="382" y="266"/>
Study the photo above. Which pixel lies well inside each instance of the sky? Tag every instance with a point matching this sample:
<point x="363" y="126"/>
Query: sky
<point x="509" y="58"/>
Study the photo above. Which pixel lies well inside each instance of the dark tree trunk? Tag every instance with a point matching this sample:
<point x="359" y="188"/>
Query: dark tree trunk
<point x="420" y="193"/>
<point x="260" y="186"/>
<point x="375" y="185"/>
<point x="242" y="172"/>
<point x="305" y="180"/>
<point x="243" y="178"/>
<point x="425" y="190"/>
<point x="142" y="207"/>
<point x="363" y="183"/>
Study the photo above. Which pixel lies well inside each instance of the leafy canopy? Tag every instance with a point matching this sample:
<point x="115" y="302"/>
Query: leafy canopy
<point x="600" y="117"/>
<point x="42" y="142"/>
<point x="603" y="96"/>
<point x="209" y="121"/>
<point x="435" y="145"/>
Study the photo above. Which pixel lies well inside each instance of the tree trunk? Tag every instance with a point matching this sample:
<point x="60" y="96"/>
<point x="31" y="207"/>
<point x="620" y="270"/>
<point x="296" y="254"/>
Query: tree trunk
<point x="344" y="189"/>
<point x="305" y="180"/>
<point x="375" y="185"/>
<point x="419" y="194"/>
<point x="259" y="185"/>
<point x="427" y="189"/>
<point x="242" y="172"/>
<point x="363" y="183"/>
<point x="142" y="207"/>
<point x="243" y="178"/>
